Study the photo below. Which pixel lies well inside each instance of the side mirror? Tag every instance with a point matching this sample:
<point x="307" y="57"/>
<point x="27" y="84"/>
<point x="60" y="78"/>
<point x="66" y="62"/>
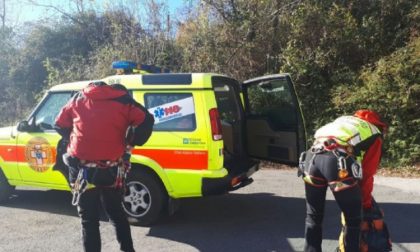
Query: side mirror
<point x="23" y="126"/>
<point x="29" y="126"/>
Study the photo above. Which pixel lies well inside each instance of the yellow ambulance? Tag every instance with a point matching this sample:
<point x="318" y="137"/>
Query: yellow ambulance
<point x="210" y="133"/>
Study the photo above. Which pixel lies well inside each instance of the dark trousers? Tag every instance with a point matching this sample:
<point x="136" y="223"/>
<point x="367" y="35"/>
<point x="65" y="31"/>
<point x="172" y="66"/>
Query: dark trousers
<point x="89" y="211"/>
<point x="324" y="171"/>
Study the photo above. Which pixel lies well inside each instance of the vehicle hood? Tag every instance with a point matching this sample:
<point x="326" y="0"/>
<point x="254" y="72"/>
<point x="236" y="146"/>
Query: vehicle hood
<point x="6" y="132"/>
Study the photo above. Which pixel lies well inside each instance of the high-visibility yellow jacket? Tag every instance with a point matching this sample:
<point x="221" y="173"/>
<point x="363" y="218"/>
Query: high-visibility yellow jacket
<point x="366" y="140"/>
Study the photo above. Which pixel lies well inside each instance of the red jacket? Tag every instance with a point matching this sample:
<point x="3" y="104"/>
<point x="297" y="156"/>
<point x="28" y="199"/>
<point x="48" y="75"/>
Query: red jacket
<point x="370" y="164"/>
<point x="98" y="118"/>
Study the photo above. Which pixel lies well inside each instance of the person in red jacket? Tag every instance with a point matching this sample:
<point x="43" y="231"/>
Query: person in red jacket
<point x="96" y="121"/>
<point x="372" y="157"/>
<point x="344" y="157"/>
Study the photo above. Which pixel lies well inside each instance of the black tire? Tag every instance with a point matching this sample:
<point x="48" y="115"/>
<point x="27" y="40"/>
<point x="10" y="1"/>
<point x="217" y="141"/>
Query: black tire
<point x="5" y="188"/>
<point x="145" y="198"/>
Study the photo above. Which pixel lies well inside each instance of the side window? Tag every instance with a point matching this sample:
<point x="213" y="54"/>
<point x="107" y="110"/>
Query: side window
<point x="172" y="112"/>
<point x="273" y="100"/>
<point x="50" y="107"/>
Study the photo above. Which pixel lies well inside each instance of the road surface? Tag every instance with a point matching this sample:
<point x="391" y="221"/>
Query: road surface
<point x="266" y="216"/>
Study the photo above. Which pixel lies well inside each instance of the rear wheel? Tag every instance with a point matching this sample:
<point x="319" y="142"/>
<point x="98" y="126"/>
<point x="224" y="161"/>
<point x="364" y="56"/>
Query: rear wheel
<point x="5" y="188"/>
<point x="145" y="198"/>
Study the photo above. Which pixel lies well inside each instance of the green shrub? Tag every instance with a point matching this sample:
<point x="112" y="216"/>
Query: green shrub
<point x="392" y="88"/>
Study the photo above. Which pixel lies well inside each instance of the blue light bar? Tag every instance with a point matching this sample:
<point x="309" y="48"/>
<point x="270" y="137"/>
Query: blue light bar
<point x="126" y="65"/>
<point x="131" y="65"/>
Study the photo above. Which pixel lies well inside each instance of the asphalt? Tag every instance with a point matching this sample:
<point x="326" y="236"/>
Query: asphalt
<point x="266" y="216"/>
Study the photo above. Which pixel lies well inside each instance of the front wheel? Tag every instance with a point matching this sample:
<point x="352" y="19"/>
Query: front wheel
<point x="144" y="199"/>
<point x="5" y="188"/>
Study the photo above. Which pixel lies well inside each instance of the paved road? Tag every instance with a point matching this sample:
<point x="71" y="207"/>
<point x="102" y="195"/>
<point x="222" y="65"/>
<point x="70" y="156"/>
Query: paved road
<point x="266" y="216"/>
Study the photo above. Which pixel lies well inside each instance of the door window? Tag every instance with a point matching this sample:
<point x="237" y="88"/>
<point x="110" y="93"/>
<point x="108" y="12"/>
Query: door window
<point x="273" y="100"/>
<point x="49" y="109"/>
<point x="172" y="112"/>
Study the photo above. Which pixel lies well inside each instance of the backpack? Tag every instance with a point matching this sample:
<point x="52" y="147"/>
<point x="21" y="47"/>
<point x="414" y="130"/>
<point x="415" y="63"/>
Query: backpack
<point x="374" y="232"/>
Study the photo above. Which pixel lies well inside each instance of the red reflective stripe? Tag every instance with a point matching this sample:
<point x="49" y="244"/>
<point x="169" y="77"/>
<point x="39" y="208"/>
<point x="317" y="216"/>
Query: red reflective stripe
<point x="168" y="159"/>
<point x="20" y="154"/>
<point x="177" y="159"/>
<point x="8" y="153"/>
<point x="12" y="153"/>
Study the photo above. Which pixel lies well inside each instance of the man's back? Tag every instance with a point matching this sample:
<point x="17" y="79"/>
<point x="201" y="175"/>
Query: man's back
<point x="99" y="116"/>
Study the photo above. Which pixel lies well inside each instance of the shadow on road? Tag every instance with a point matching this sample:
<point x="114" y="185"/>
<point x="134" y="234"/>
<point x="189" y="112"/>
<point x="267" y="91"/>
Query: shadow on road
<point x="57" y="202"/>
<point x="237" y="222"/>
<point x="265" y="222"/>
<point x="52" y="201"/>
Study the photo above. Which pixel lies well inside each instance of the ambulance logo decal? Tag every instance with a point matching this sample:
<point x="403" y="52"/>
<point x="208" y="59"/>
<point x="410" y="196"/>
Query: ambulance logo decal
<point x="173" y="110"/>
<point x="38" y="154"/>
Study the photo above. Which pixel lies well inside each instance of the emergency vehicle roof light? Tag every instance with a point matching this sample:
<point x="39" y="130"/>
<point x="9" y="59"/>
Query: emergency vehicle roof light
<point x="130" y="66"/>
<point x="126" y="65"/>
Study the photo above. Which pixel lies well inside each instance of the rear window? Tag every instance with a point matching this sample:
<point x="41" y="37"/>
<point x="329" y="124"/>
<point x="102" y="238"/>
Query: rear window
<point x="172" y="112"/>
<point x="226" y="99"/>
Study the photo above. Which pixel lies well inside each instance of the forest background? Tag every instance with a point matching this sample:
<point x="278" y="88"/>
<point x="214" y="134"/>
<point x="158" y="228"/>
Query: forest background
<point x="342" y="54"/>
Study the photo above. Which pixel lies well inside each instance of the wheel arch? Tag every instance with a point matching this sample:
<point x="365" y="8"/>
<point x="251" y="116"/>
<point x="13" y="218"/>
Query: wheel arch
<point x="5" y="188"/>
<point x="4" y="174"/>
<point x="139" y="162"/>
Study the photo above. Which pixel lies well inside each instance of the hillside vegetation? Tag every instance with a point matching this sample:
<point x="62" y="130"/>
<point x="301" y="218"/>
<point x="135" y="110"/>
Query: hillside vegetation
<point x="342" y="54"/>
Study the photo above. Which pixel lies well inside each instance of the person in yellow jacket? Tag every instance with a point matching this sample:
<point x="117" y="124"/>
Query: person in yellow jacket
<point x="344" y="157"/>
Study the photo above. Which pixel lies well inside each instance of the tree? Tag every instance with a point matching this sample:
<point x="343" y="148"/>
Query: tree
<point x="333" y="49"/>
<point x="240" y="38"/>
<point x="8" y="51"/>
<point x="392" y="88"/>
<point x="323" y="52"/>
<point x="3" y="14"/>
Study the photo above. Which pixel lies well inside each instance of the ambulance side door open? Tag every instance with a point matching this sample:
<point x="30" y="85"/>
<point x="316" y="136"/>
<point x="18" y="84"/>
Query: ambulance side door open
<point x="275" y="128"/>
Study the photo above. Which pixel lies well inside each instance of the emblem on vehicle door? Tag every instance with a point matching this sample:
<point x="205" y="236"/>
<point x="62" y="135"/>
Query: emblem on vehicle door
<point x="38" y="154"/>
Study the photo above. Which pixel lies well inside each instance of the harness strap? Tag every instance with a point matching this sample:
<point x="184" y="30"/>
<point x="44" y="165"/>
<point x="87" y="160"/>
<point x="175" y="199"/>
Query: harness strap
<point x="81" y="183"/>
<point x="99" y="163"/>
<point x="124" y="168"/>
<point x="342" y="184"/>
<point x="80" y="186"/>
<point x="342" y="153"/>
<point x="305" y="164"/>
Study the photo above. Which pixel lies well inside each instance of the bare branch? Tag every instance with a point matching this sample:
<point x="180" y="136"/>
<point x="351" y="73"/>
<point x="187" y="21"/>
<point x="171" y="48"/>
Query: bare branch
<point x="219" y="9"/>
<point x="64" y="13"/>
<point x="3" y="15"/>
